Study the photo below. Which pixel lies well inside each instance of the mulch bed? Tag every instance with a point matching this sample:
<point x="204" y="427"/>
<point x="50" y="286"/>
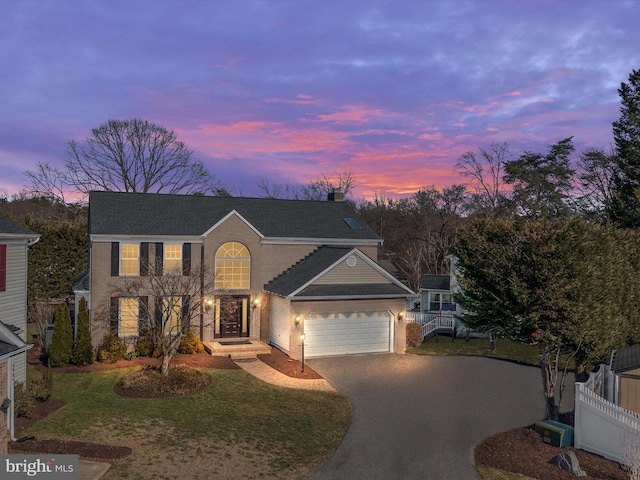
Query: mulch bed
<point x="523" y="451"/>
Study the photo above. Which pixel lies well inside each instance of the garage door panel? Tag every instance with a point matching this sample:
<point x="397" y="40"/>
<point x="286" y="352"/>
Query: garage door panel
<point x="349" y="333"/>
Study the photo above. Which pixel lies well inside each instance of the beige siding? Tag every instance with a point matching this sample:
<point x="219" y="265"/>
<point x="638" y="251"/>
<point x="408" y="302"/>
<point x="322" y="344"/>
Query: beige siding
<point x="280" y="323"/>
<point x="361" y="272"/>
<point x="630" y="392"/>
<point x="13" y="301"/>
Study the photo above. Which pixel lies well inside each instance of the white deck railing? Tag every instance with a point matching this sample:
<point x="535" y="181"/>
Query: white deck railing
<point x="432" y="322"/>
<point x="600" y="426"/>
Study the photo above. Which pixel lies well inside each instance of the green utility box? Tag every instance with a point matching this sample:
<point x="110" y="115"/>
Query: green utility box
<point x="555" y="433"/>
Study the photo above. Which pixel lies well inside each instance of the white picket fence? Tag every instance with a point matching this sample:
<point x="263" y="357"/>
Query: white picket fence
<point x="433" y="323"/>
<point x="600" y="426"/>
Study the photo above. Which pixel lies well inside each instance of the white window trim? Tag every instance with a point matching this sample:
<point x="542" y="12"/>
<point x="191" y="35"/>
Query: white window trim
<point x="121" y="258"/>
<point x="127" y="335"/>
<point x="164" y="257"/>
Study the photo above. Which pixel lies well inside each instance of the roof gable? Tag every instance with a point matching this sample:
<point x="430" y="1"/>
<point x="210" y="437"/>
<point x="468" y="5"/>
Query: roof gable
<point x="10" y="343"/>
<point x="147" y="214"/>
<point x="331" y="271"/>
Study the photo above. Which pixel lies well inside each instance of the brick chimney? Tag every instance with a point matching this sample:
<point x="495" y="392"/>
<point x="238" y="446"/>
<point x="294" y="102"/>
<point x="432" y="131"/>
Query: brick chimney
<point x="335" y="195"/>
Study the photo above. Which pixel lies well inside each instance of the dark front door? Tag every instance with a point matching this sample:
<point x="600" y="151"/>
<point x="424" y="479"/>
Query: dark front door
<point x="230" y="317"/>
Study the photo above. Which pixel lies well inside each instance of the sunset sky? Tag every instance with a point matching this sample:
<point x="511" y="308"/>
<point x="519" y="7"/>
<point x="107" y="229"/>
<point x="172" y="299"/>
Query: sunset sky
<point x="288" y="90"/>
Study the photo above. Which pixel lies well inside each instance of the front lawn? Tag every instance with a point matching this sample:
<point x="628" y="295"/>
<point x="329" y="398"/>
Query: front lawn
<point x="237" y="427"/>
<point x="506" y="349"/>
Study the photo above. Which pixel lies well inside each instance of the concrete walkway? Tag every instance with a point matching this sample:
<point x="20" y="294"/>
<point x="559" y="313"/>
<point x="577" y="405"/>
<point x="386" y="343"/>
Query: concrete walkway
<point x="264" y="372"/>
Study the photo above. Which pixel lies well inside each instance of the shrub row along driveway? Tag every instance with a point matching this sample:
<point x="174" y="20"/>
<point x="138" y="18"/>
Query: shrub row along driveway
<point x="419" y="417"/>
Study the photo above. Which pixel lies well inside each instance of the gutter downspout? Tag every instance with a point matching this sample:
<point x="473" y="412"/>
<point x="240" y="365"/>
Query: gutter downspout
<point x="11" y="411"/>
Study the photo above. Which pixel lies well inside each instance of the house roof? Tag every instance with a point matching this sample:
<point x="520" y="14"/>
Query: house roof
<point x="9" y="228"/>
<point x="81" y="283"/>
<point x="296" y="280"/>
<point x="148" y="214"/>
<point x="10" y="343"/>
<point x="435" y="282"/>
<point x="627" y="358"/>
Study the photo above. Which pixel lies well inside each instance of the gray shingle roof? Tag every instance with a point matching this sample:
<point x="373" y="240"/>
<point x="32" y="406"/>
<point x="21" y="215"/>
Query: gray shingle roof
<point x="317" y="262"/>
<point x="9" y="227"/>
<point x="81" y="283"/>
<point x="435" y="282"/>
<point x="6" y="345"/>
<point x="147" y="214"/>
<point x="627" y="358"/>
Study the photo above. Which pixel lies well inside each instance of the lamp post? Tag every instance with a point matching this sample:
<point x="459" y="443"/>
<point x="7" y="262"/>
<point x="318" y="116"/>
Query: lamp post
<point x="302" y="337"/>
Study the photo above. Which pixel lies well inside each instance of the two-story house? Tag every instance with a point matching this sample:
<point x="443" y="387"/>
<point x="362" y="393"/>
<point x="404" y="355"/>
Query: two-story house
<point x="14" y="241"/>
<point x="281" y="269"/>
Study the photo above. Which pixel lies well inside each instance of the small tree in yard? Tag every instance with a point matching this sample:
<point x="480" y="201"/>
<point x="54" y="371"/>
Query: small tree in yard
<point x="82" y="353"/>
<point x="167" y="302"/>
<point x="62" y="341"/>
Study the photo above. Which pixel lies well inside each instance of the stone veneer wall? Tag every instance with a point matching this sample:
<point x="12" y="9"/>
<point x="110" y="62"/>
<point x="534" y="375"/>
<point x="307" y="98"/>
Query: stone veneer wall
<point x="4" y="390"/>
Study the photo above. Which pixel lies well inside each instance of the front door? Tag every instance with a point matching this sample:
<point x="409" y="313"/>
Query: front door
<point x="230" y="317"/>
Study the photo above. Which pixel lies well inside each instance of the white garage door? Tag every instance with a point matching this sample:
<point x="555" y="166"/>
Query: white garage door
<point x="345" y="333"/>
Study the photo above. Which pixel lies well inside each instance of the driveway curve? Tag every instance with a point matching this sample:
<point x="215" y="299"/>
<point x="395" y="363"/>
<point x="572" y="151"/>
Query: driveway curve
<point x="419" y="417"/>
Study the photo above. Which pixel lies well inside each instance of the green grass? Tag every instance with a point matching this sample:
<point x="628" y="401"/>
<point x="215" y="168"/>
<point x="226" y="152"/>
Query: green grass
<point x="294" y="428"/>
<point x="506" y="349"/>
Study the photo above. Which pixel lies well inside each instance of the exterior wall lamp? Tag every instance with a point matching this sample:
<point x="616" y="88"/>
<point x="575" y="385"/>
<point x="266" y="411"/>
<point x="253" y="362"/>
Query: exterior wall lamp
<point x="400" y="316"/>
<point x="255" y="302"/>
<point x="208" y="304"/>
<point x="296" y="321"/>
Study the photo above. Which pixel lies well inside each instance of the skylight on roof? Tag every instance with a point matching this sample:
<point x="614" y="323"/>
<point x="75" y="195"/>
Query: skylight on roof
<point x="351" y="222"/>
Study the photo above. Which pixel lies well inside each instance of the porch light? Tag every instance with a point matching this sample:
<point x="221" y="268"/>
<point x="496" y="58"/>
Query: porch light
<point x="255" y="302"/>
<point x="208" y="303"/>
<point x="302" y="337"/>
<point x="296" y="322"/>
<point x="400" y="316"/>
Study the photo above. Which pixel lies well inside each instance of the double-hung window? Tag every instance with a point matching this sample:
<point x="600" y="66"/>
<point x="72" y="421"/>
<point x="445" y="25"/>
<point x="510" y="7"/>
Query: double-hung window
<point x="172" y="313"/>
<point x="172" y="258"/>
<point x="129" y="259"/>
<point x="233" y="266"/>
<point x="129" y="309"/>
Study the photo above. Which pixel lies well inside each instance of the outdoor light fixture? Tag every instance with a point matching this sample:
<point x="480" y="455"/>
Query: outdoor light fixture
<point x="255" y="302"/>
<point x="400" y="316"/>
<point x="302" y="337"/>
<point x="208" y="303"/>
<point x="296" y="322"/>
<point x="5" y="405"/>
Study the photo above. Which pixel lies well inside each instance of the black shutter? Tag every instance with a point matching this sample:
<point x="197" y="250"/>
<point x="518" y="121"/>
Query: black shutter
<point x="143" y="315"/>
<point x="159" y="258"/>
<point x="144" y="259"/>
<point x="115" y="259"/>
<point x="186" y="259"/>
<point x="114" y="315"/>
<point x="157" y="312"/>
<point x="186" y="299"/>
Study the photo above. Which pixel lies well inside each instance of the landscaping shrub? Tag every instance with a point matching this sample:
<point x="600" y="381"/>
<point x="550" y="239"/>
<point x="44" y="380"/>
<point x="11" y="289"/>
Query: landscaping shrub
<point x="112" y="349"/>
<point x="82" y="353"/>
<point x="190" y="343"/>
<point x="414" y="334"/>
<point x="146" y="347"/>
<point x="62" y="341"/>
<point x="24" y="401"/>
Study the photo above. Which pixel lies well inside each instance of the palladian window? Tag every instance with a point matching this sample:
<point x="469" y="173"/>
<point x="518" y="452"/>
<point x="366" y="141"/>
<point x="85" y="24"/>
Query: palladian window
<point x="233" y="266"/>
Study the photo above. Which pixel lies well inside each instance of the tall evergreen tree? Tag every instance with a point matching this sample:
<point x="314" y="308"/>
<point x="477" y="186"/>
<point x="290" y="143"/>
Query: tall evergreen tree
<point x="625" y="207"/>
<point x="62" y="341"/>
<point x="82" y="353"/>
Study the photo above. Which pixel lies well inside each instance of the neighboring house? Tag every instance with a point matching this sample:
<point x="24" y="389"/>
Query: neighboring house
<point x="626" y="367"/>
<point x="282" y="268"/>
<point x="14" y="240"/>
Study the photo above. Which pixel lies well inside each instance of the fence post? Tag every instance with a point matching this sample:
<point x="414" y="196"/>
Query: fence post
<point x="577" y="415"/>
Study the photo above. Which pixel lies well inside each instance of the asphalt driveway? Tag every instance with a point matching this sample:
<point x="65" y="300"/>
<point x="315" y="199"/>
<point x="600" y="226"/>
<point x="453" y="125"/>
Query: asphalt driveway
<point x="419" y="417"/>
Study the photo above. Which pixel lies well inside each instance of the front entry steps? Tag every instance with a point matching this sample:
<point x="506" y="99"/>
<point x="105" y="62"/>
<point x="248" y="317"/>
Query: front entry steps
<point x="236" y="349"/>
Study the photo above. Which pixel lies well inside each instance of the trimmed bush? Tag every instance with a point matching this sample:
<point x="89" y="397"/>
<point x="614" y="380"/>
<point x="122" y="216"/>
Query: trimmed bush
<point x="24" y="401"/>
<point x="112" y="349"/>
<point x="82" y="353"/>
<point x="62" y="341"/>
<point x="190" y="343"/>
<point x="414" y="334"/>
<point x="147" y="348"/>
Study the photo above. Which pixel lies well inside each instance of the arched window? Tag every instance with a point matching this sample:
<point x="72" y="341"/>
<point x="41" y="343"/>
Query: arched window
<point x="233" y="266"/>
